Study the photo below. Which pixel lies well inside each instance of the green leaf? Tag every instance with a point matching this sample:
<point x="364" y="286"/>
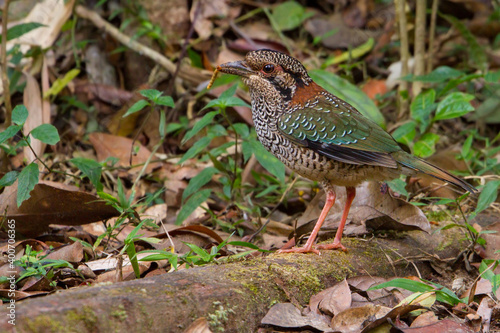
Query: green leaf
<point x="440" y="74"/>
<point x="405" y="133"/>
<point x="165" y="101"/>
<point x="228" y="92"/>
<point x="46" y="133"/>
<point x="235" y="101"/>
<point x="191" y="204"/>
<point x="246" y="244"/>
<point x="91" y="169"/>
<point x="199" y="125"/>
<point x="196" y="149"/>
<point x="61" y="83"/>
<point x="443" y="295"/>
<point x="488" y="195"/>
<point x="8" y="179"/>
<point x="452" y="83"/>
<point x="199" y="181"/>
<point x="425" y="147"/>
<point x="398" y="185"/>
<point x="151" y="94"/>
<point x="351" y="54"/>
<point x="204" y="255"/>
<point x="226" y="102"/>
<point x="9" y="133"/>
<point x="289" y="15"/>
<point x="422" y="107"/>
<point x="21" y="29"/>
<point x="247" y="149"/>
<point x="27" y="180"/>
<point x="454" y="105"/>
<point x="467" y="146"/>
<point x="492" y="77"/>
<point x="138" y="106"/>
<point x="163" y="124"/>
<point x="268" y="161"/>
<point x="242" y="130"/>
<point x="345" y="90"/>
<point x="19" y="114"/>
<point x="489" y="111"/>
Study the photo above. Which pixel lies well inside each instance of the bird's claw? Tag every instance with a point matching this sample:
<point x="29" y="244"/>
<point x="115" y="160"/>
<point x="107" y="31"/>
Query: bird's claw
<point x="331" y="246"/>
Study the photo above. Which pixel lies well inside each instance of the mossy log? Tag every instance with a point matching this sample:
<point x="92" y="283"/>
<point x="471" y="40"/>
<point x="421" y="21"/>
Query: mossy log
<point x="233" y="297"/>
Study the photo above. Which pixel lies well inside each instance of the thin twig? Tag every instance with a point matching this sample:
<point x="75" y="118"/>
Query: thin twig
<point x="187" y="73"/>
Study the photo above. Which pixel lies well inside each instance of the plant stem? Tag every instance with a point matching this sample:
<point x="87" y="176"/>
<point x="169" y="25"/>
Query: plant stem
<point x="419" y="46"/>
<point x="405" y="55"/>
<point x="5" y="77"/>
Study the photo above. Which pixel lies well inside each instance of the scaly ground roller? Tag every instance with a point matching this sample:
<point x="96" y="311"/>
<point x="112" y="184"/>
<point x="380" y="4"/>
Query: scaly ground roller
<point x="320" y="136"/>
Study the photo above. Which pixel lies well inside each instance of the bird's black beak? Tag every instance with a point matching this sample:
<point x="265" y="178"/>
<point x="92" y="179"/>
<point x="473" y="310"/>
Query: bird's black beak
<point x="240" y="68"/>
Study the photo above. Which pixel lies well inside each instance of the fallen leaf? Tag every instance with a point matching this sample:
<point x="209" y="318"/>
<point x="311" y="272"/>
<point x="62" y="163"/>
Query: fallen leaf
<point x="445" y="325"/>
<point x="49" y="205"/>
<point x="200" y="325"/>
<point x="72" y="253"/>
<point x="332" y="300"/>
<point x="353" y="319"/>
<point x="286" y="315"/>
<point x="107" y="145"/>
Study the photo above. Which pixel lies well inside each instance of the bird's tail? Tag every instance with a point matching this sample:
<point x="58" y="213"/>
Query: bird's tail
<point x="419" y="165"/>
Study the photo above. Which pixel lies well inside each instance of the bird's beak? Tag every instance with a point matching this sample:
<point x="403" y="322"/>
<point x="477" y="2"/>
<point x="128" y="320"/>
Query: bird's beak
<point x="236" y="68"/>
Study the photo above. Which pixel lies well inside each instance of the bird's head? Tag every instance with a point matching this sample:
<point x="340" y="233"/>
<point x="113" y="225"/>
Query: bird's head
<point x="268" y="72"/>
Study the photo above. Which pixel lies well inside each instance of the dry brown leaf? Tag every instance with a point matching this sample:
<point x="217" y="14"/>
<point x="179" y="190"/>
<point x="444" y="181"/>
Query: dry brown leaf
<point x="286" y="315"/>
<point x="344" y="37"/>
<point x="425" y="319"/>
<point x="445" y="325"/>
<point x="370" y="209"/>
<point x="72" y="253"/>
<point x="107" y="145"/>
<point x="392" y="314"/>
<point x="37" y="116"/>
<point x="389" y="297"/>
<point x="353" y="319"/>
<point x="49" y="205"/>
<point x="52" y="14"/>
<point x="208" y="9"/>
<point x="332" y="300"/>
<point x="19" y="295"/>
<point x="200" y="325"/>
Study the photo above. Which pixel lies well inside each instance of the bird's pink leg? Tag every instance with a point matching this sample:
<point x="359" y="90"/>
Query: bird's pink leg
<point x="351" y="193"/>
<point x="330" y="200"/>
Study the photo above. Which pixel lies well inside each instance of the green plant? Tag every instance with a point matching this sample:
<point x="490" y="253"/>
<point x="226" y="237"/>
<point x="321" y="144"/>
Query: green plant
<point x="443" y="294"/>
<point x="39" y="266"/>
<point x="198" y="256"/>
<point x="28" y="177"/>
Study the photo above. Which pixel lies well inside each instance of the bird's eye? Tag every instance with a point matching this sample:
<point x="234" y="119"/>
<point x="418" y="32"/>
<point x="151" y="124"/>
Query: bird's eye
<point x="268" y="68"/>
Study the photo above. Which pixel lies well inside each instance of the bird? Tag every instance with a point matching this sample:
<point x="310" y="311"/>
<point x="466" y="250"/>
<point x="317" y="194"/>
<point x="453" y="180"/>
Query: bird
<point x="320" y="136"/>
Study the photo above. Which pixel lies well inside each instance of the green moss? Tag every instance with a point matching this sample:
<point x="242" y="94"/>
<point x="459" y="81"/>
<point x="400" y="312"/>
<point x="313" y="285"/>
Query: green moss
<point x="438" y="216"/>
<point x="86" y="316"/>
<point x="219" y="317"/>
<point x="44" y="323"/>
<point x="120" y="314"/>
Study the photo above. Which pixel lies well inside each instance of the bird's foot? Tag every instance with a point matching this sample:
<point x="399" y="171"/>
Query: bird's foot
<point x="305" y="249"/>
<point x="331" y="246"/>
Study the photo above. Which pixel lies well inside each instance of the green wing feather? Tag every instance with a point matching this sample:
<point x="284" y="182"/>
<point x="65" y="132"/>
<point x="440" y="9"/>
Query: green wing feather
<point x="340" y="133"/>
